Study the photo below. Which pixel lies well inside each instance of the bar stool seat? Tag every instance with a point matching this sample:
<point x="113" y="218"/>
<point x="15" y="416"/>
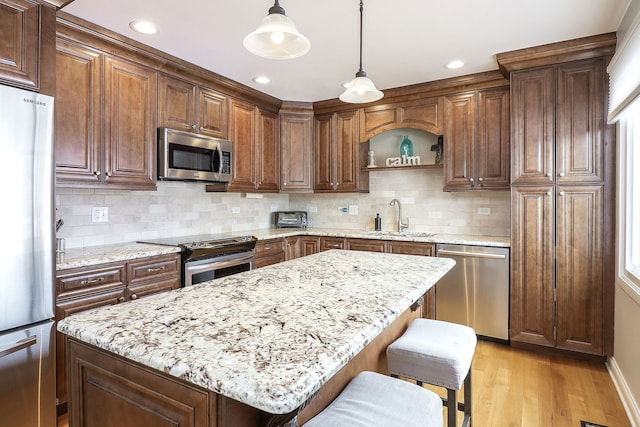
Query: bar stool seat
<point x="376" y="400"/>
<point x="437" y="353"/>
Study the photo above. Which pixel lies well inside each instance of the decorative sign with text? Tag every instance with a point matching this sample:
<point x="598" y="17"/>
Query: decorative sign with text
<point x="403" y="161"/>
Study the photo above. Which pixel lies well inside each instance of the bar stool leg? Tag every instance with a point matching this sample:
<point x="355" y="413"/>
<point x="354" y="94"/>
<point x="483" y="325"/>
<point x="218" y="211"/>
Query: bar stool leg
<point x="452" y="408"/>
<point x="467" y="401"/>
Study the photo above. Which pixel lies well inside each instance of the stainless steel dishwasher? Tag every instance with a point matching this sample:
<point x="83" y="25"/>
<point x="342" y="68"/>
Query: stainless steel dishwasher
<point x="476" y="291"/>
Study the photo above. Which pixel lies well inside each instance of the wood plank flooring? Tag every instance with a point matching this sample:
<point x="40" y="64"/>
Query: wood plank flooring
<point x="517" y="388"/>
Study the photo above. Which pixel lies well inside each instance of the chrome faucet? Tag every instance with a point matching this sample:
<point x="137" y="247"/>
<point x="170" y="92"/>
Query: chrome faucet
<point x="402" y="224"/>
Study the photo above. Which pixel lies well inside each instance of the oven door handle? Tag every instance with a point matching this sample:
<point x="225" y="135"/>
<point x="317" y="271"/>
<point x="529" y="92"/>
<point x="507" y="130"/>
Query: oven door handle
<point x="219" y="264"/>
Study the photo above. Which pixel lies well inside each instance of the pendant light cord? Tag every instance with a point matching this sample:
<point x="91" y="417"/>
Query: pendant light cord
<point x="361" y="72"/>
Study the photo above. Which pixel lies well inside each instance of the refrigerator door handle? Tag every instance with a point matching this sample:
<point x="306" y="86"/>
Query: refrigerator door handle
<point x="23" y="343"/>
<point x="471" y="254"/>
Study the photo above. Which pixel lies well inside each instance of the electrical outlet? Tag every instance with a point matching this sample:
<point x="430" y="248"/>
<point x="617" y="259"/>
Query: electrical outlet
<point x="343" y="209"/>
<point x="100" y="214"/>
<point x="274" y="208"/>
<point x="484" y="211"/>
<point x="235" y="209"/>
<point x="353" y="209"/>
<point x="313" y="209"/>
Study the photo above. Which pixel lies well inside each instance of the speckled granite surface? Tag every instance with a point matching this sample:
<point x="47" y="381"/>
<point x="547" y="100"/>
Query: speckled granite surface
<point x="269" y="337"/>
<point x="84" y="257"/>
<point x="457" y="239"/>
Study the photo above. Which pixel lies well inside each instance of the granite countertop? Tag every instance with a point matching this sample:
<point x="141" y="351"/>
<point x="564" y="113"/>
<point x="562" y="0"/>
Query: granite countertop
<point x="269" y="337"/>
<point x="457" y="239"/>
<point x="92" y="255"/>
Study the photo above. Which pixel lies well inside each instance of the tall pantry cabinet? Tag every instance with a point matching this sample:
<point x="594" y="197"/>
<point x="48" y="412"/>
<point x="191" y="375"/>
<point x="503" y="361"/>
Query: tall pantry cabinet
<point x="562" y="207"/>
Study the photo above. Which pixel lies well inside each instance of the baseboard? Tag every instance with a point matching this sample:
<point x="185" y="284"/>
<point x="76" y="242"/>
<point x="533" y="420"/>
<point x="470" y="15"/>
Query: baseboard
<point x="630" y="405"/>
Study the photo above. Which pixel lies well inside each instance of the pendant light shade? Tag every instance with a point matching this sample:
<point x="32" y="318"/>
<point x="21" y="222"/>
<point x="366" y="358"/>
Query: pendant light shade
<point x="277" y="37"/>
<point x="361" y="89"/>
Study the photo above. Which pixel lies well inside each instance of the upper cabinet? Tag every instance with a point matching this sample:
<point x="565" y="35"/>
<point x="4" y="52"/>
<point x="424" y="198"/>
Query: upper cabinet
<point x="296" y="148"/>
<point x="105" y="131"/>
<point x="476" y="140"/>
<point x="256" y="137"/>
<point x="424" y="114"/>
<point x="337" y="153"/>
<point x="27" y="45"/>
<point x="190" y="107"/>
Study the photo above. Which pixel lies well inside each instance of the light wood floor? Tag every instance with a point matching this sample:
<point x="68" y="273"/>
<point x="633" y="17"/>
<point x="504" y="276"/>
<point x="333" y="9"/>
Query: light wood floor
<point x="517" y="388"/>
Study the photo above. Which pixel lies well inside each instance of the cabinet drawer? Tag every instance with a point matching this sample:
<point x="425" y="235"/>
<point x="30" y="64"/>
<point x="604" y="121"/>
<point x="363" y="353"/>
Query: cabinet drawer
<point x="156" y="287"/>
<point x="367" y="245"/>
<point x="74" y="282"/>
<point x="327" y="243"/>
<point x="269" y="248"/>
<point x="153" y="268"/>
<point x="411" y="248"/>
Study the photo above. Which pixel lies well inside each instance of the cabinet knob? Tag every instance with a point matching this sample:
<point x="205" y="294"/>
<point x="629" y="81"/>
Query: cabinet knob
<point x="561" y="174"/>
<point x="480" y="179"/>
<point x="470" y="179"/>
<point x="548" y="193"/>
<point x="134" y="296"/>
<point x="121" y="299"/>
<point x="109" y="174"/>
<point x="561" y="193"/>
<point x="284" y="183"/>
<point x="96" y="173"/>
<point x="194" y="127"/>
<point x="548" y="175"/>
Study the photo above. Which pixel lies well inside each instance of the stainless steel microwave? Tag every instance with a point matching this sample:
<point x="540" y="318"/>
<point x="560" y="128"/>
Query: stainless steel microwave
<point x="186" y="156"/>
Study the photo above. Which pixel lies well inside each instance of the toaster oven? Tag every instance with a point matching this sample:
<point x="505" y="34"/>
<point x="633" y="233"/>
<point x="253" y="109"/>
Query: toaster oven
<point x="290" y="219"/>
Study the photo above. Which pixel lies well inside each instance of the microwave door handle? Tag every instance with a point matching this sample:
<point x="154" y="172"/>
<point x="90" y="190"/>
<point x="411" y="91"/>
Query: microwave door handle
<point x="219" y="171"/>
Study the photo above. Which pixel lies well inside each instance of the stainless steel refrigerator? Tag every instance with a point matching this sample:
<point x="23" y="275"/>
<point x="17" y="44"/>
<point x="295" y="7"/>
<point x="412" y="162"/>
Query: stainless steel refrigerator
<point x="27" y="357"/>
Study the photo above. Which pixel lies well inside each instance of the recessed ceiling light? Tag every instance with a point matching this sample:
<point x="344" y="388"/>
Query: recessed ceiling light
<point x="263" y="80"/>
<point x="143" y="27"/>
<point x="454" y="64"/>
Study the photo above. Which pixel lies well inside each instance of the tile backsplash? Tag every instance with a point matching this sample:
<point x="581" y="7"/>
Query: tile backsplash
<point x="180" y="208"/>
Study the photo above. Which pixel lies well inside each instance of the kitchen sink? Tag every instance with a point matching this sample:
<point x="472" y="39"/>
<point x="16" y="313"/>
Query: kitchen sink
<point x="400" y="233"/>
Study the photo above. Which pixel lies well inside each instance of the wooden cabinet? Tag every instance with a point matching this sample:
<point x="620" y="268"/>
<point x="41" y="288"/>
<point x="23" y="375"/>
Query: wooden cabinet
<point x="309" y="245"/>
<point x="256" y="137"/>
<point x="328" y="243"/>
<point x="87" y="288"/>
<point x="267" y="252"/>
<point x="476" y="140"/>
<point x="105" y="126"/>
<point x="425" y="114"/>
<point x="337" y="154"/>
<point x="296" y="140"/>
<point x="117" y="392"/>
<point x="562" y="199"/>
<point x="292" y="247"/>
<point x="367" y="245"/>
<point x="189" y="107"/>
<point x="411" y="248"/>
<point x="27" y="47"/>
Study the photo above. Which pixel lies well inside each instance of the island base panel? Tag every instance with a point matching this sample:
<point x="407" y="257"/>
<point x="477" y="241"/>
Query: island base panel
<point x="108" y="390"/>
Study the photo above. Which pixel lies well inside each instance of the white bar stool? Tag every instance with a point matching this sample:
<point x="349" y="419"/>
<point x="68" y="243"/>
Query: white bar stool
<point x="376" y="400"/>
<point x="437" y="353"/>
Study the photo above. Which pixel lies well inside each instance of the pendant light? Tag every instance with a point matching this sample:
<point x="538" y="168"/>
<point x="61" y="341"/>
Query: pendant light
<point x="277" y="37"/>
<point x="361" y="89"/>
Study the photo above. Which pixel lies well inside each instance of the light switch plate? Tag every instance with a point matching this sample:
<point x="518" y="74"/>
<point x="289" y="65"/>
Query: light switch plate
<point x="484" y="211"/>
<point x="100" y="214"/>
<point x="353" y="209"/>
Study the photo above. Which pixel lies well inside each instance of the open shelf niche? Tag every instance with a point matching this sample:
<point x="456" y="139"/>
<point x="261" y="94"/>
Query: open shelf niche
<point x="387" y="145"/>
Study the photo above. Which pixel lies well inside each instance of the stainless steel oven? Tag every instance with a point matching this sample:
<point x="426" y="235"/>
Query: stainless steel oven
<point x="206" y="269"/>
<point x="211" y="256"/>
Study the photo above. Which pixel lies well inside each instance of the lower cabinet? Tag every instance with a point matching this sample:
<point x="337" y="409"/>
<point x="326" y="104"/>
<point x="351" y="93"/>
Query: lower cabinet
<point x="328" y="243"/>
<point x="309" y="245"/>
<point x="270" y="251"/>
<point x="87" y="288"/>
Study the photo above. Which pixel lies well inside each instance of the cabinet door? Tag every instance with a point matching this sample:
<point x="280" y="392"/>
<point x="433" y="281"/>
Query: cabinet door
<point x="292" y="247"/>
<point x="212" y="113"/>
<point x="242" y="131"/>
<point x="532" y="265"/>
<point x="19" y="43"/>
<point x="579" y="269"/>
<point x="327" y="243"/>
<point x="296" y="138"/>
<point x="411" y="248"/>
<point x="176" y="103"/>
<point x="580" y="122"/>
<point x="323" y="149"/>
<point x="492" y="155"/>
<point x="267" y="147"/>
<point x="532" y="126"/>
<point x="130" y="124"/>
<point x="78" y="139"/>
<point x="459" y="141"/>
<point x="309" y="245"/>
<point x="347" y="151"/>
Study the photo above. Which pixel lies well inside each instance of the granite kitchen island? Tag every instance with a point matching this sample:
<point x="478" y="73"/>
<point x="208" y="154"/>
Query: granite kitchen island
<point x="244" y="350"/>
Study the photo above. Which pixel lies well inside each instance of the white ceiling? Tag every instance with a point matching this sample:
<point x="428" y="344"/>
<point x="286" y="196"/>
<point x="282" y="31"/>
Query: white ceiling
<point x="405" y="41"/>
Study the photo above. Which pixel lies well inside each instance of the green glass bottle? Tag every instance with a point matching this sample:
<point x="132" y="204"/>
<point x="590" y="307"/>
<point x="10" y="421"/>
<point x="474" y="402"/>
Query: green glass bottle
<point x="406" y="147"/>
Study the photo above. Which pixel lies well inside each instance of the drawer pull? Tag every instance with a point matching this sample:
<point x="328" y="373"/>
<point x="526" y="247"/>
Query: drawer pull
<point x="92" y="281"/>
<point x="134" y="296"/>
<point x="121" y="299"/>
<point x="155" y="269"/>
<point x="334" y="245"/>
